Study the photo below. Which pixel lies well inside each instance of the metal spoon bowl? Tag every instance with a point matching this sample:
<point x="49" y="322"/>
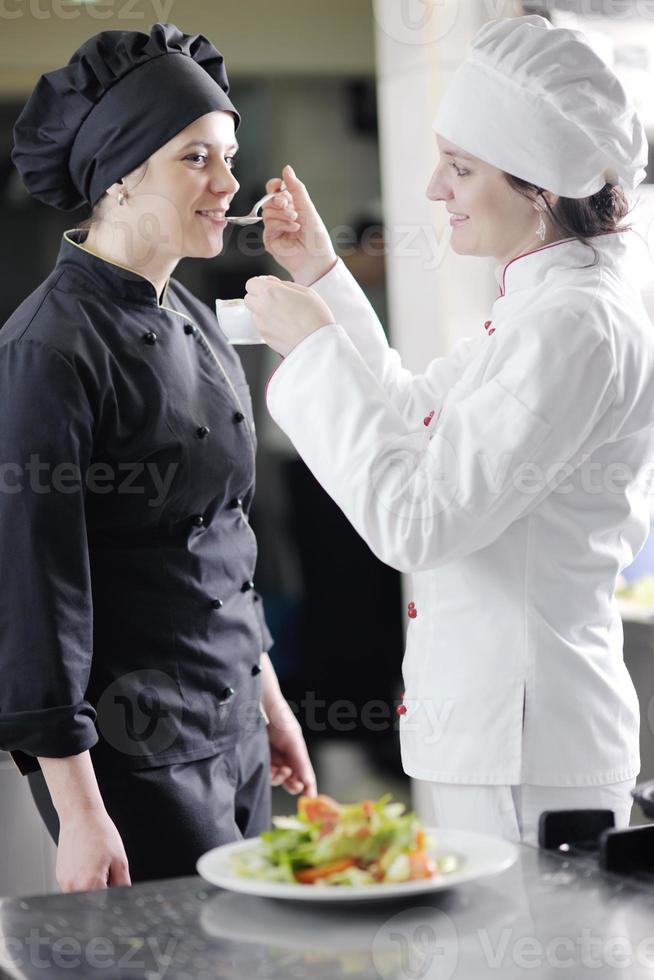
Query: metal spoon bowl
<point x="253" y="216"/>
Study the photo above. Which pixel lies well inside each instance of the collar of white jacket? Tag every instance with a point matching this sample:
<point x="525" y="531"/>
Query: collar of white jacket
<point x="538" y="102"/>
<point x="625" y="252"/>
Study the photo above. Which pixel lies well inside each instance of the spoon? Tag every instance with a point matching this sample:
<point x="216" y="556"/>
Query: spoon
<point x="253" y="217"/>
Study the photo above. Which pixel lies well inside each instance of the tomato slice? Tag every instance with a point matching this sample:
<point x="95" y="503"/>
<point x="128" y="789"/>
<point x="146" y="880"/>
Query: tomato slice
<point x="318" y="808"/>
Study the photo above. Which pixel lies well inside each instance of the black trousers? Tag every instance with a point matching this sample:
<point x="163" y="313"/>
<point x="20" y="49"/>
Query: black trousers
<point x="168" y="816"/>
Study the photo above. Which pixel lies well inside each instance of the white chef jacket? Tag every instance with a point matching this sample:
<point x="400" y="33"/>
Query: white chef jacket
<point x="512" y="481"/>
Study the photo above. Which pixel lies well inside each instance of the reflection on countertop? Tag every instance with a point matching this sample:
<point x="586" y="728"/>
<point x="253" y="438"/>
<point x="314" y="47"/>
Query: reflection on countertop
<point x="544" y="914"/>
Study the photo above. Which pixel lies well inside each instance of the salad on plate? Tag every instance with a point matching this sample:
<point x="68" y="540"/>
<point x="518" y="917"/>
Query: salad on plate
<point x="331" y="843"/>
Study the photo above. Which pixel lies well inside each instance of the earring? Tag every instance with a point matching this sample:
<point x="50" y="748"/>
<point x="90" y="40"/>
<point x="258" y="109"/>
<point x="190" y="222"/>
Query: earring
<point x="121" y="198"/>
<point x="541" y="231"/>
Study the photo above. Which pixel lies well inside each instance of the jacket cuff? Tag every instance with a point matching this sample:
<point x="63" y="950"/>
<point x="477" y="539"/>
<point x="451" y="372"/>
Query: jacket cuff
<point x="337" y="261"/>
<point x="51" y="732"/>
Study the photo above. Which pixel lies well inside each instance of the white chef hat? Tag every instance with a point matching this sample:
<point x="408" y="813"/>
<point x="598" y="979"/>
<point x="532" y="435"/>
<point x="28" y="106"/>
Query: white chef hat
<point x="537" y="102"/>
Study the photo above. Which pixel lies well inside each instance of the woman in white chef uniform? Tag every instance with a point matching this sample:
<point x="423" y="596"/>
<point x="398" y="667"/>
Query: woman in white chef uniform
<point x="509" y="478"/>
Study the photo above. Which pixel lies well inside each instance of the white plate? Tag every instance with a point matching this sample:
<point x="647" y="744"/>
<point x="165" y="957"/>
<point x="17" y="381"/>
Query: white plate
<point x="479" y="856"/>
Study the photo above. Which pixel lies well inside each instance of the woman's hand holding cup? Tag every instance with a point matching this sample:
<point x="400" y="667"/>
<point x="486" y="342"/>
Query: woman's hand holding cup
<point x="285" y="313"/>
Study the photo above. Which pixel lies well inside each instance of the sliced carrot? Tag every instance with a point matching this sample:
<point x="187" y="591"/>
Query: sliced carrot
<point x="307" y="876"/>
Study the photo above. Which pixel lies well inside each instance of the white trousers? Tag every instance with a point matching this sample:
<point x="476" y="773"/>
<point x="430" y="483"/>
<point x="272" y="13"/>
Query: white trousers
<point x="512" y="812"/>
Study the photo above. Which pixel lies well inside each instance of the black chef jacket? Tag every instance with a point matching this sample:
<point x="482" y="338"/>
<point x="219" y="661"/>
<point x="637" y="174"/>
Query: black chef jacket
<point x="129" y="624"/>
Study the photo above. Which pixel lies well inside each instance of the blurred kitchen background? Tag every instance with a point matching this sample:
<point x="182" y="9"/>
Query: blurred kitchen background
<point x="346" y="91"/>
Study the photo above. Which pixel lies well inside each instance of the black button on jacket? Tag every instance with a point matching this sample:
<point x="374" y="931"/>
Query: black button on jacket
<point x="109" y="638"/>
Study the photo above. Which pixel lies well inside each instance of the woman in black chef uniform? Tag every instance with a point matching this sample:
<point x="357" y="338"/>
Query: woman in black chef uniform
<point x="135" y="692"/>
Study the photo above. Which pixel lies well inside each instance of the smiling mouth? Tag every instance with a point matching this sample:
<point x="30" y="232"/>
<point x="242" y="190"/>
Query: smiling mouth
<point x="218" y="217"/>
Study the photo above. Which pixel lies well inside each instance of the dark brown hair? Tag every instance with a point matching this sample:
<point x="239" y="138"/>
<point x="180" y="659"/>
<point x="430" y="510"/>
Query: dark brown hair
<point x="580" y="218"/>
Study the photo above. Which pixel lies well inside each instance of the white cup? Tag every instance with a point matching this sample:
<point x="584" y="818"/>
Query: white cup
<point x="235" y="321"/>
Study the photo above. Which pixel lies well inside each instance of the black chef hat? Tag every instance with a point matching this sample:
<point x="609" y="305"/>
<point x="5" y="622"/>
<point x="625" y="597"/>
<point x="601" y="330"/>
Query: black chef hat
<point x="122" y="95"/>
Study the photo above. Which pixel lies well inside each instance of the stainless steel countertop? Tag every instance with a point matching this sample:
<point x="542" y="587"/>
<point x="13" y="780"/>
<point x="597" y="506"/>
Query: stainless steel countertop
<point x="548" y="916"/>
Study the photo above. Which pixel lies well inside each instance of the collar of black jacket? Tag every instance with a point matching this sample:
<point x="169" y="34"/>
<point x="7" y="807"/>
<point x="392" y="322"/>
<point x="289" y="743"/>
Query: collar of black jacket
<point x="109" y="278"/>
